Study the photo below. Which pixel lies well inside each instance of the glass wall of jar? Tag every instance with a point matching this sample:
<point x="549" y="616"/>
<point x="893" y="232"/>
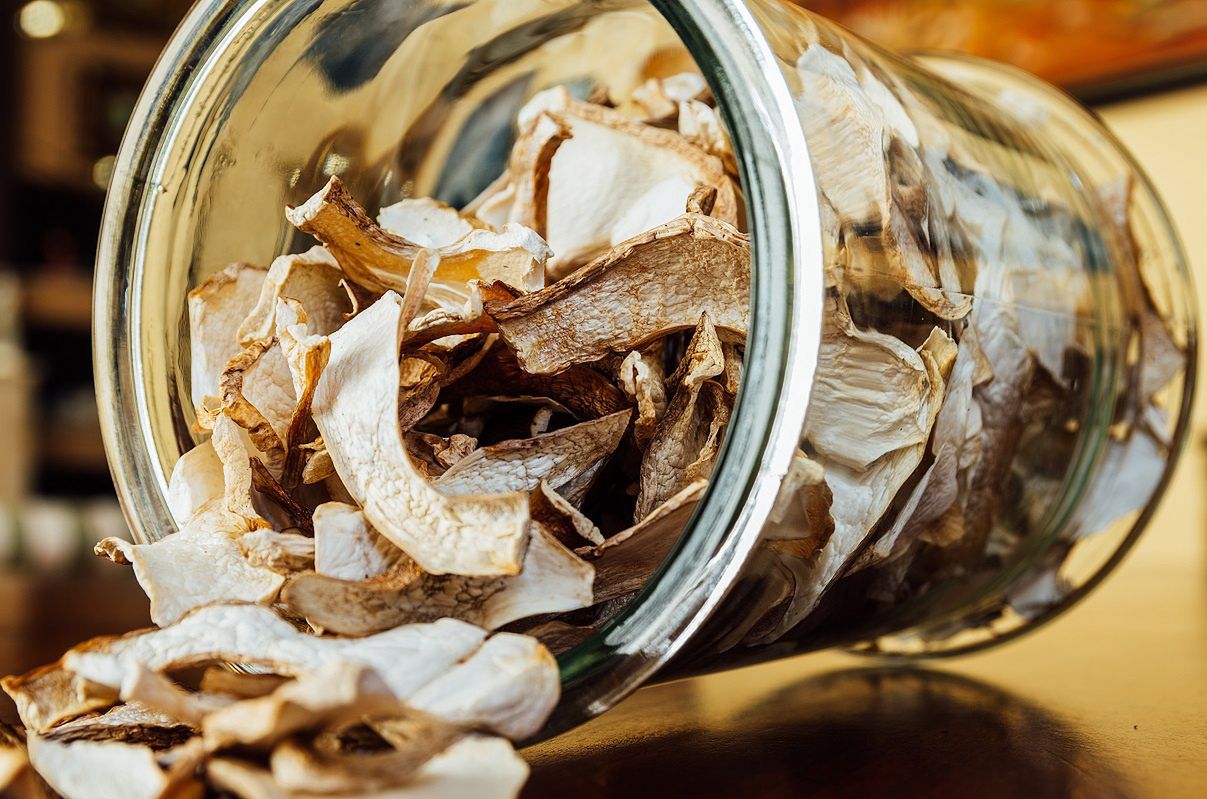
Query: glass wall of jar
<point x="971" y="346"/>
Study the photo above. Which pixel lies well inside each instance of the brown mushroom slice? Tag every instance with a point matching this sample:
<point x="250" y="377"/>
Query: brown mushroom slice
<point x="336" y="694"/>
<point x="553" y="580"/>
<point x="585" y="392"/>
<point x="424" y="221"/>
<point x="627" y="560"/>
<point x="687" y="440"/>
<point x="200" y="564"/>
<point x="216" y="309"/>
<point x="561" y="518"/>
<point x="196" y="479"/>
<point x="355" y="409"/>
<point x="407" y="657"/>
<point x="283" y="553"/>
<point x="608" y="167"/>
<point x="381" y="261"/>
<point x="434" y="454"/>
<point x="520" y="465"/>
<point x="648" y="286"/>
<point x="641" y="377"/>
<point x="476" y="766"/>
<point x="317" y="465"/>
<point x="312" y="279"/>
<point x="258" y="395"/>
<point x="347" y="548"/>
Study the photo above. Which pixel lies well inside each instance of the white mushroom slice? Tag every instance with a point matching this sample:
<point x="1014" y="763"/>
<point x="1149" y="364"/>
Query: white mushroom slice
<point x="529" y="165"/>
<point x="509" y="686"/>
<point x="647" y="287"/>
<point x="199" y="565"/>
<point x="283" y="553"/>
<point x="870" y="395"/>
<point x="627" y="560"/>
<point x="641" y="377"/>
<point x="406" y="657"/>
<point x="381" y="261"/>
<point x="196" y="479"/>
<point x="313" y="279"/>
<point x="562" y="519"/>
<point x="555" y="458"/>
<point x="356" y="411"/>
<point x="338" y="693"/>
<point x="610" y="161"/>
<point x="239" y="493"/>
<point x="216" y="308"/>
<point x="687" y="440"/>
<point x="101" y="769"/>
<point x="427" y="222"/>
<point x="347" y="548"/>
<point x="477" y="766"/>
<point x="553" y="580"/>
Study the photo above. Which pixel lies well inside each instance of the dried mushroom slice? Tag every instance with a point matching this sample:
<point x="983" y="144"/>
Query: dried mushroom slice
<point x="701" y="125"/>
<point x="239" y="497"/>
<point x="355" y="408"/>
<point x="614" y="178"/>
<point x="641" y="376"/>
<point x="283" y="553"/>
<point x="553" y="580"/>
<point x="346" y="547"/>
<point x="529" y="165"/>
<point x="561" y="518"/>
<point x="200" y="564"/>
<point x="313" y="279"/>
<point x="216" y="309"/>
<point x="520" y="465"/>
<point x="476" y="766"/>
<point x="305" y="766"/>
<point x="258" y="395"/>
<point x="105" y="770"/>
<point x="424" y="221"/>
<point x="339" y="693"/>
<point x="627" y="560"/>
<point x="196" y="479"/>
<point x="150" y="689"/>
<point x="651" y="285"/>
<point x="381" y="261"/>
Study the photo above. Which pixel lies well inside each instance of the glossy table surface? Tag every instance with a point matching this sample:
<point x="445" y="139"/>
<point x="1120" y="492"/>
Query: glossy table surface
<point x="1109" y="700"/>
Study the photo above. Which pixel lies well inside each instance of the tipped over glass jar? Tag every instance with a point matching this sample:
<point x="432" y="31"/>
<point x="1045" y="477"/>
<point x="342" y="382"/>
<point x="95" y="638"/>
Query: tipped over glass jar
<point x="972" y="342"/>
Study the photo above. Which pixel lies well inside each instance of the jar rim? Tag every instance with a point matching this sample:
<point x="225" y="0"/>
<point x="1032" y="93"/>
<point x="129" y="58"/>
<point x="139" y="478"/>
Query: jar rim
<point x="726" y="41"/>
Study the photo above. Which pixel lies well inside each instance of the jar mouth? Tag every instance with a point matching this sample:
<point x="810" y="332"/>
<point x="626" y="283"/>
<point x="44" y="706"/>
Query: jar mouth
<point x="725" y="38"/>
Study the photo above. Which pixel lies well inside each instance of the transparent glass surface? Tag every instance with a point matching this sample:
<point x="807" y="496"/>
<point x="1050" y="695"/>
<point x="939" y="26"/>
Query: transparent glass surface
<point x="885" y="197"/>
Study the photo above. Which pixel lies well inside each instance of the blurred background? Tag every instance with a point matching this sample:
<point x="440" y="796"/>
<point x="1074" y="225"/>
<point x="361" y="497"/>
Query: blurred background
<point x="71" y="71"/>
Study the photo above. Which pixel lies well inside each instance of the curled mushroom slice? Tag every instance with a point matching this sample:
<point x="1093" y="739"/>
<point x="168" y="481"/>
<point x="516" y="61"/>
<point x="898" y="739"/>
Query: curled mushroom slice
<point x="338" y="693"/>
<point x="424" y="221"/>
<point x="651" y="285"/>
<point x="553" y="580"/>
<point x="555" y="458"/>
<point x="408" y="657"/>
<point x="239" y="494"/>
<point x="562" y="519"/>
<point x="627" y="560"/>
<point x="356" y="410"/>
<point x="312" y="279"/>
<point x="641" y="377"/>
<point x="381" y="261"/>
<point x="530" y="164"/>
<point x="609" y="166"/>
<point x="200" y="564"/>
<point x="216" y="309"/>
<point x="476" y="766"/>
<point x="258" y="395"/>
<point x="686" y="443"/>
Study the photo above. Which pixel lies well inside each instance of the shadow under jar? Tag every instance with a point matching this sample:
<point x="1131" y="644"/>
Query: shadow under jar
<point x="971" y="353"/>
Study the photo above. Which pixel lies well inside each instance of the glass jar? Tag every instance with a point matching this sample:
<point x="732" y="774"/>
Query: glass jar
<point x="969" y="307"/>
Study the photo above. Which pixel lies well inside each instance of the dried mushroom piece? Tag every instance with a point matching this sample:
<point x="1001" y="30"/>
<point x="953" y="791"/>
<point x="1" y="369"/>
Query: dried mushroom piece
<point x="107" y="770"/>
<point x="158" y="693"/>
<point x="627" y="560"/>
<point x="381" y="261"/>
<point x="561" y="518"/>
<point x="312" y="279"/>
<point x="196" y="479"/>
<point x="520" y="465"/>
<point x="651" y="285"/>
<point x="283" y="553"/>
<point x="553" y="579"/>
<point x="355" y="408"/>
<point x="614" y="178"/>
<point x="216" y="309"/>
<point x="258" y="395"/>
<point x="641" y="375"/>
<point x="424" y="221"/>
<point x="346" y="547"/>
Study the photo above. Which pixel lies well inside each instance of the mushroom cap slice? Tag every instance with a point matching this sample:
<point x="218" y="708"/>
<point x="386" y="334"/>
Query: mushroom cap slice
<point x="216" y="309"/>
<point x="651" y="285"/>
<point x="520" y="465"/>
<point x="355" y="409"/>
<point x="380" y="261"/>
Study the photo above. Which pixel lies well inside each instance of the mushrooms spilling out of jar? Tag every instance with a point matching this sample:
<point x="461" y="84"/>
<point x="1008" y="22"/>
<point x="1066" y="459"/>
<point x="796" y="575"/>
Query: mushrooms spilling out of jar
<point x="445" y="445"/>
